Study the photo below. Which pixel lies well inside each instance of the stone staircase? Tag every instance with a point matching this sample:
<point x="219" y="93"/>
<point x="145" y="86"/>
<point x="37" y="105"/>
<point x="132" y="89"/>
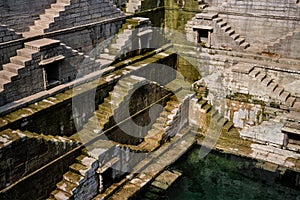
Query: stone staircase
<point x="81" y="175"/>
<point x="14" y="140"/>
<point x="202" y="4"/>
<point x="215" y="120"/>
<point x="121" y="93"/>
<point x="125" y="40"/>
<point x="276" y="92"/>
<point x="277" y="43"/>
<point x="24" y="58"/>
<point x="47" y="18"/>
<point x="229" y="31"/>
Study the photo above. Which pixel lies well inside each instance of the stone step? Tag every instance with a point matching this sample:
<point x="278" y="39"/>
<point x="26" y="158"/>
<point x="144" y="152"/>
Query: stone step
<point x="78" y="169"/>
<point x="202" y="103"/>
<point x="7" y="75"/>
<point x="296" y="106"/>
<point x="215" y="113"/>
<point x="226" y="28"/>
<point x="107" y="56"/>
<point x="272" y="86"/>
<point x="245" y="45"/>
<point x="290" y="101"/>
<point x="32" y="33"/>
<point x="254" y="72"/>
<point x="20" y="60"/>
<point x="42" y="44"/>
<point x="284" y="95"/>
<point x="14" y="68"/>
<point x="43" y="23"/>
<point x="60" y="195"/>
<point x="222" y="121"/>
<point x="217" y="20"/>
<point x="221" y="24"/>
<point x="64" y="1"/>
<point x="53" y="11"/>
<point x="27" y="53"/>
<point x="228" y="126"/>
<point x="235" y="36"/>
<point x="240" y="40"/>
<point x="230" y="32"/>
<point x="59" y="6"/>
<point x="49" y="16"/>
<point x="277" y="92"/>
<point x="261" y="77"/>
<point x="207" y="108"/>
<point x="40" y="28"/>
<point x="66" y="187"/>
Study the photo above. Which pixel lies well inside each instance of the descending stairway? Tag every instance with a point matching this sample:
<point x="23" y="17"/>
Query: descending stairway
<point x="215" y="119"/>
<point x="125" y="40"/>
<point x="47" y="18"/>
<point x="79" y="172"/>
<point x="16" y="66"/>
<point x="121" y="93"/>
<point x="227" y="29"/>
<point x="275" y="91"/>
<point x="278" y="43"/>
<point x="161" y="128"/>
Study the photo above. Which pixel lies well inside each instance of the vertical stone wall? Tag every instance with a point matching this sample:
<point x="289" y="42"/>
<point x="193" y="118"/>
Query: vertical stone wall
<point x="257" y="19"/>
<point x="20" y="14"/>
<point x="255" y="29"/>
<point x="288" y="45"/>
<point x="24" y="152"/>
<point x="88" y="38"/>
<point x="7" y="34"/>
<point x="84" y="12"/>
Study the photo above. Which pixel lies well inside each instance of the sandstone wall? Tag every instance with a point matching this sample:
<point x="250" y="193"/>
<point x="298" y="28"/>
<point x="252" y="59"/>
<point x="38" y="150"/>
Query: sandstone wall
<point x="20" y="14"/>
<point x="84" y="12"/>
<point x="260" y="31"/>
<point x="39" y="185"/>
<point x="7" y="34"/>
<point x="24" y="152"/>
<point x="257" y="19"/>
<point x="287" y="46"/>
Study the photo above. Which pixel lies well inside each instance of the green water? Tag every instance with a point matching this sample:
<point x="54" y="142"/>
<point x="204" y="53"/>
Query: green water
<point x="217" y="177"/>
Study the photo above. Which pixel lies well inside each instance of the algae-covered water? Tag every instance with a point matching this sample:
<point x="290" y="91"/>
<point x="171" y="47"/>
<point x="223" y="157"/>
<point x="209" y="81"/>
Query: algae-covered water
<point x="227" y="177"/>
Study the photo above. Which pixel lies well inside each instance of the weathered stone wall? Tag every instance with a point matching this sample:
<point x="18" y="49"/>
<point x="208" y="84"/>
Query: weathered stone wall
<point x="90" y="37"/>
<point x="29" y="81"/>
<point x="24" y="152"/>
<point x="84" y="12"/>
<point x="8" y="50"/>
<point x="20" y="14"/>
<point x="255" y="29"/>
<point x="7" y="34"/>
<point x="287" y="46"/>
<point x="57" y="115"/>
<point x="288" y="8"/>
<point x="39" y="185"/>
<point x="30" y="78"/>
<point x="134" y="102"/>
<point x="256" y="19"/>
<point x="84" y="39"/>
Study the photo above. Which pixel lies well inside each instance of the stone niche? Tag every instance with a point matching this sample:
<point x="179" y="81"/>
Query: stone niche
<point x="200" y="28"/>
